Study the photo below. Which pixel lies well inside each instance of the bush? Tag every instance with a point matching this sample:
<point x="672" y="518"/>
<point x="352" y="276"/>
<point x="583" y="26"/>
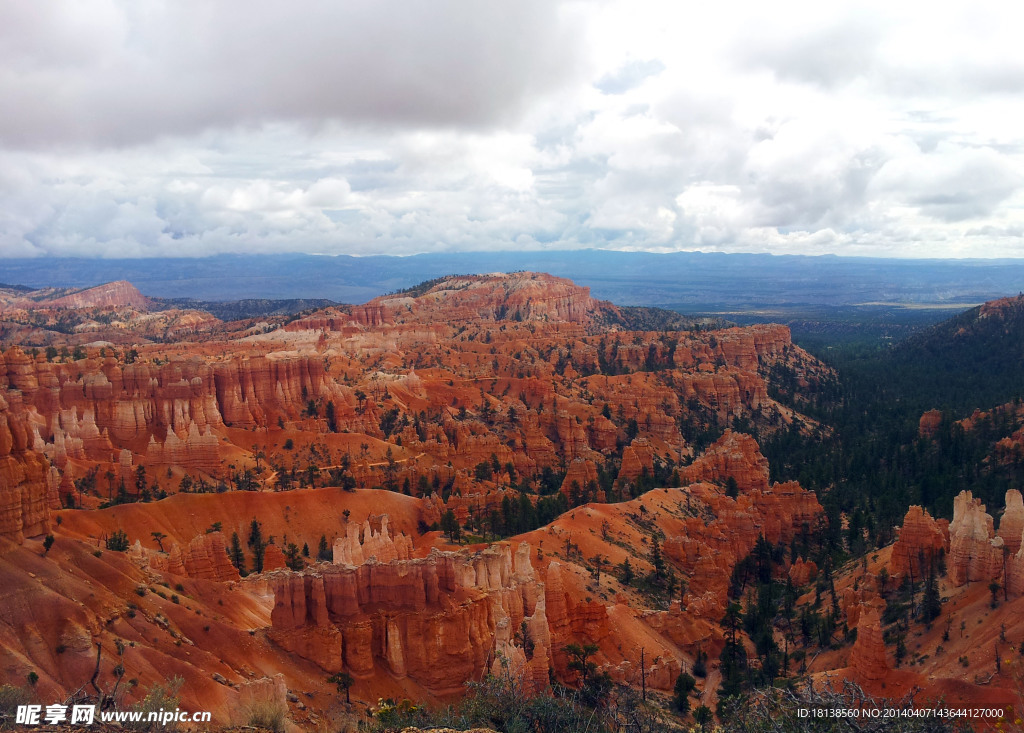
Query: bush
<point x="159" y="697"/>
<point x="10" y="698"/>
<point x="118" y="541"/>
<point x="269" y="714"/>
<point x="502" y="703"/>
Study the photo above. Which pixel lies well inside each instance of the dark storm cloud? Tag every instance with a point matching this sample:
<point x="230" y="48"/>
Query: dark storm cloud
<point x="123" y="73"/>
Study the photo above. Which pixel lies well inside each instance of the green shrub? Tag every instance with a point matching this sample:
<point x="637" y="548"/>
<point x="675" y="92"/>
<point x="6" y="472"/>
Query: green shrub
<point x="10" y="698"/>
<point x="159" y="697"/>
<point x="118" y="541"/>
<point x="269" y="714"/>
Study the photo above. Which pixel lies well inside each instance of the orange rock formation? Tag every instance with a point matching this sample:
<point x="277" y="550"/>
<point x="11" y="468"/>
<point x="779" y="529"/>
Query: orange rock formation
<point x="921" y="540"/>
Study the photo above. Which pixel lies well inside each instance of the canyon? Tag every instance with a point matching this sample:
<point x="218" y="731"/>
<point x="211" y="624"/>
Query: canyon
<point x="269" y="502"/>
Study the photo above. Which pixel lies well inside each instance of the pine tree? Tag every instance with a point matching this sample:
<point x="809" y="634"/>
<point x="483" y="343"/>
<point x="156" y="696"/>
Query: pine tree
<point x="323" y="551"/>
<point x="293" y="557"/>
<point x="685" y="684"/>
<point x="734" y="656"/>
<point x="257" y="544"/>
<point x="450" y="526"/>
<point x="625" y="572"/>
<point x="931" y="603"/>
<point x="657" y="560"/>
<point x="237" y="555"/>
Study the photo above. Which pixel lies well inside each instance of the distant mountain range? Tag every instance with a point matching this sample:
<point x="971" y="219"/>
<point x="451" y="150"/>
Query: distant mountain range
<point x="685" y="281"/>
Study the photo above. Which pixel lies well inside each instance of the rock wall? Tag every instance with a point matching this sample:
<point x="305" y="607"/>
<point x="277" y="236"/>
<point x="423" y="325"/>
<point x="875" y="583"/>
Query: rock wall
<point x="868" y="658"/>
<point x="362" y="543"/>
<point x="440" y="620"/>
<point x="27" y="485"/>
<point x="708" y="549"/>
<point x="734" y="454"/>
<point x="977" y="553"/>
<point x="921" y="540"/>
<point x="1011" y="524"/>
<point x="169" y="413"/>
<point x="974" y="553"/>
<point x="205" y="557"/>
<point x="803" y="572"/>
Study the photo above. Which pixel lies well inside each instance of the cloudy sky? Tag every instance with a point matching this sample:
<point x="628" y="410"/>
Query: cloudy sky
<point x="185" y="127"/>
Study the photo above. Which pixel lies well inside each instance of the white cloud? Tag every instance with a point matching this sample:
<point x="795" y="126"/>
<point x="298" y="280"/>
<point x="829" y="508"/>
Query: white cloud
<point x="159" y="127"/>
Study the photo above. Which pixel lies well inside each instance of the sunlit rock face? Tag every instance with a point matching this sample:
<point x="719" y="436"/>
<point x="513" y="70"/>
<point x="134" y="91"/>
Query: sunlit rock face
<point x="438" y="619"/>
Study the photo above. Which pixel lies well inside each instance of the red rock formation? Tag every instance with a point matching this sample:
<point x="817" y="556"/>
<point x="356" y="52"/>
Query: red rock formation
<point x="708" y="550"/>
<point x="517" y="297"/>
<point x="929" y="424"/>
<point x="25" y="480"/>
<point x="868" y="658"/>
<point x="436" y="620"/>
<point x="350" y="549"/>
<point x="636" y="457"/>
<point x="734" y="454"/>
<point x="973" y="553"/>
<point x="264" y="693"/>
<point x="920" y="542"/>
<point x="116" y="294"/>
<point x="580" y="472"/>
<point x="803" y="572"/>
<point x="206" y="557"/>
<point x="273" y="558"/>
<point x="1011" y="524"/>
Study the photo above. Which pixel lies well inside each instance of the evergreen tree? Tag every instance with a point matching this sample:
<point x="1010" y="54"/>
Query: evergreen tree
<point x="323" y="551"/>
<point x="257" y="544"/>
<point x="450" y="526"/>
<point x="734" y="656"/>
<point x="237" y="555"/>
<point x="343" y="681"/>
<point x="931" y="603"/>
<point x="625" y="572"/>
<point x="579" y="659"/>
<point x="657" y="560"/>
<point x="293" y="557"/>
<point x="685" y="684"/>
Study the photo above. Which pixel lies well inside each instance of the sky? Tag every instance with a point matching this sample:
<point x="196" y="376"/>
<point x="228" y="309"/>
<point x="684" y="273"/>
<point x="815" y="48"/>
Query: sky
<point x="138" y="128"/>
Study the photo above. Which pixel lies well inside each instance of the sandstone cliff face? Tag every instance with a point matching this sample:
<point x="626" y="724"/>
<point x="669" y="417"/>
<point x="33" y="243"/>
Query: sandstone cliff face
<point x="803" y="572"/>
<point x="868" y="658"/>
<point x="569" y="619"/>
<point x="116" y="294"/>
<point x="921" y="541"/>
<point x="439" y="620"/>
<point x="1011" y="524"/>
<point x="169" y="414"/>
<point x="710" y="548"/>
<point x="973" y="552"/>
<point x="27" y="486"/>
<point x="735" y="455"/>
<point x="205" y="557"/>
<point x="519" y="297"/>
<point x="637" y="457"/>
<point x="977" y="553"/>
<point x="350" y="549"/>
